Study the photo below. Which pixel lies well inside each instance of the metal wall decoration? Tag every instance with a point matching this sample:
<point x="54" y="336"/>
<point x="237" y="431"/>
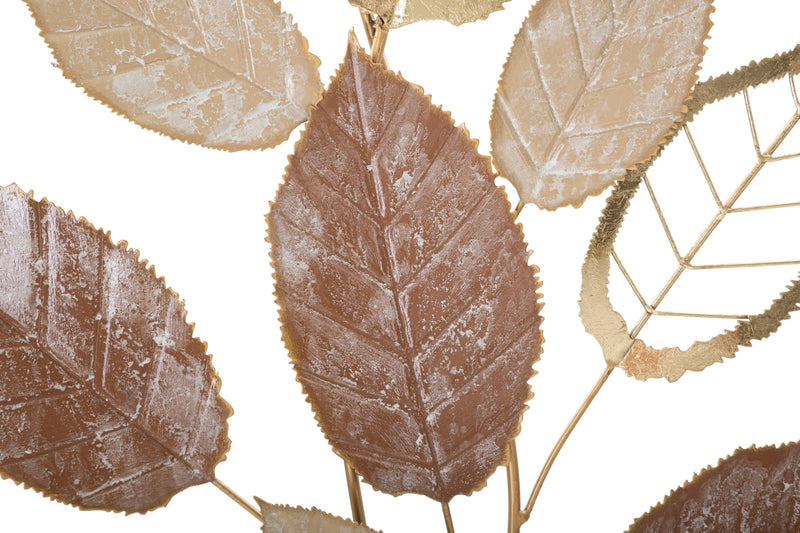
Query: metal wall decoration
<point x="409" y="308"/>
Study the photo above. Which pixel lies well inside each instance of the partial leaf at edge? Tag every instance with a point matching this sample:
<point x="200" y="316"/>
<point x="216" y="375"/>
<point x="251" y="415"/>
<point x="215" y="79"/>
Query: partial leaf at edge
<point x="234" y="75"/>
<point x="106" y="399"/>
<point x="409" y="308"/>
<point x="284" y="519"/>
<point x="753" y="490"/>
<point x="590" y="89"/>
<point x="401" y="12"/>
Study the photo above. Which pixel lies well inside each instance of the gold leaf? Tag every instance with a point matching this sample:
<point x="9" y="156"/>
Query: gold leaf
<point x="232" y="76"/>
<point x="284" y="519"/>
<point x="409" y="308"/>
<point x="753" y="490"/>
<point x="106" y="399"/>
<point x="621" y="347"/>
<point x="590" y="89"/>
<point x="401" y="12"/>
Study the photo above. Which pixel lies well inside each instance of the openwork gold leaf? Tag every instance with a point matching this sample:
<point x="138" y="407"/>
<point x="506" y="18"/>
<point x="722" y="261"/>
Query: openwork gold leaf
<point x="284" y="519"/>
<point x="752" y="490"/>
<point x="234" y="76"/>
<point x="401" y="12"/>
<point x="106" y="399"/>
<point x="590" y="89"/>
<point x="409" y="308"/>
<point x="621" y="346"/>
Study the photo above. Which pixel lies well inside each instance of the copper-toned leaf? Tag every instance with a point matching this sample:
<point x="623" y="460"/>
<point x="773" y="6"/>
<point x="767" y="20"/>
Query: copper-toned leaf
<point x="231" y="75"/>
<point x="622" y="347"/>
<point x="753" y="490"/>
<point x="106" y="399"/>
<point x="408" y="305"/>
<point x="284" y="519"/>
<point x="401" y="12"/>
<point x="590" y="89"/>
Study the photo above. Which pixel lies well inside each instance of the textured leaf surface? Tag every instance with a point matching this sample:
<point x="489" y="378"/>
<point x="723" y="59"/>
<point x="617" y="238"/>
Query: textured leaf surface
<point x="229" y="74"/>
<point x="621" y="346"/>
<point x="106" y="399"/>
<point x="400" y="12"/>
<point x="753" y="490"/>
<point x="408" y="305"/>
<point x="590" y="89"/>
<point x="283" y="519"/>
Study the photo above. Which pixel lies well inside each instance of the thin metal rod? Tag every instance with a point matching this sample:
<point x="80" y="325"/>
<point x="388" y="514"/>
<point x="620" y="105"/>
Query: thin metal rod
<point x="630" y="281"/>
<point x="703" y="168"/>
<point x="354" y="489"/>
<point x="793" y="89"/>
<point x="369" y="25"/>
<point x="701" y="315"/>
<point x="517" y="210"/>
<point x="379" y="42"/>
<point x="751" y="120"/>
<point x="763" y="207"/>
<point x="247" y="506"/>
<point x="663" y="219"/>
<point x="514" y="501"/>
<point x="745" y="265"/>
<point x="526" y="513"/>
<point x="448" y="518"/>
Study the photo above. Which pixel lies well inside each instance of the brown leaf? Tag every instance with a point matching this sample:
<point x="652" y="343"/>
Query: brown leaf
<point x="590" y="89"/>
<point x="753" y="490"/>
<point x="234" y="76"/>
<point x="106" y="400"/>
<point x="283" y="519"/>
<point x="402" y="12"/>
<point x="622" y="348"/>
<point x="409" y="309"/>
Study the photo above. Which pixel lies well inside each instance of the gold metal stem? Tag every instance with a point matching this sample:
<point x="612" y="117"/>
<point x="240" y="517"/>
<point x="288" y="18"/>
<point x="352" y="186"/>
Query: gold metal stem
<point x="354" y="489"/>
<point x="526" y="513"/>
<point x="518" y="209"/>
<point x="247" y="506"/>
<point x="514" y="502"/>
<point x="369" y="25"/>
<point x="379" y="42"/>
<point x="448" y="518"/>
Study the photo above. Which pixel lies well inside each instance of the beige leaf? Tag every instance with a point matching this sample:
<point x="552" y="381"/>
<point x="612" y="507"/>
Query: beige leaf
<point x="283" y="519"/>
<point x="590" y="89"/>
<point x="401" y="12"/>
<point x="230" y="74"/>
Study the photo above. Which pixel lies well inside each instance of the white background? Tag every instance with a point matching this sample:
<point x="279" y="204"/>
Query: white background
<point x="198" y="215"/>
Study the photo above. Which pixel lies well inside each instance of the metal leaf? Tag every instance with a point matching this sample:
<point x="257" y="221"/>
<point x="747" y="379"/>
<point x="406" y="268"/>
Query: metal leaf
<point x="409" y="309"/>
<point x="230" y="75"/>
<point x="402" y="12"/>
<point x="284" y="519"/>
<point x="621" y="346"/>
<point x="753" y="490"/>
<point x="591" y="89"/>
<point x="106" y="399"/>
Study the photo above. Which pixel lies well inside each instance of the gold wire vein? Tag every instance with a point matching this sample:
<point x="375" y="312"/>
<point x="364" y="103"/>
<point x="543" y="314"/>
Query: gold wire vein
<point x="662" y="219"/>
<point x="763" y="207"/>
<point x="751" y="120"/>
<point x="703" y="168"/>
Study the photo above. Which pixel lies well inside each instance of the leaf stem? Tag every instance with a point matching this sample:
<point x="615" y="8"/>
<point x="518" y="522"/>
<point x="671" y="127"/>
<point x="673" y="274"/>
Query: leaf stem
<point x="247" y="506"/>
<point x="448" y="518"/>
<point x="354" y="490"/>
<point x="526" y="513"/>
